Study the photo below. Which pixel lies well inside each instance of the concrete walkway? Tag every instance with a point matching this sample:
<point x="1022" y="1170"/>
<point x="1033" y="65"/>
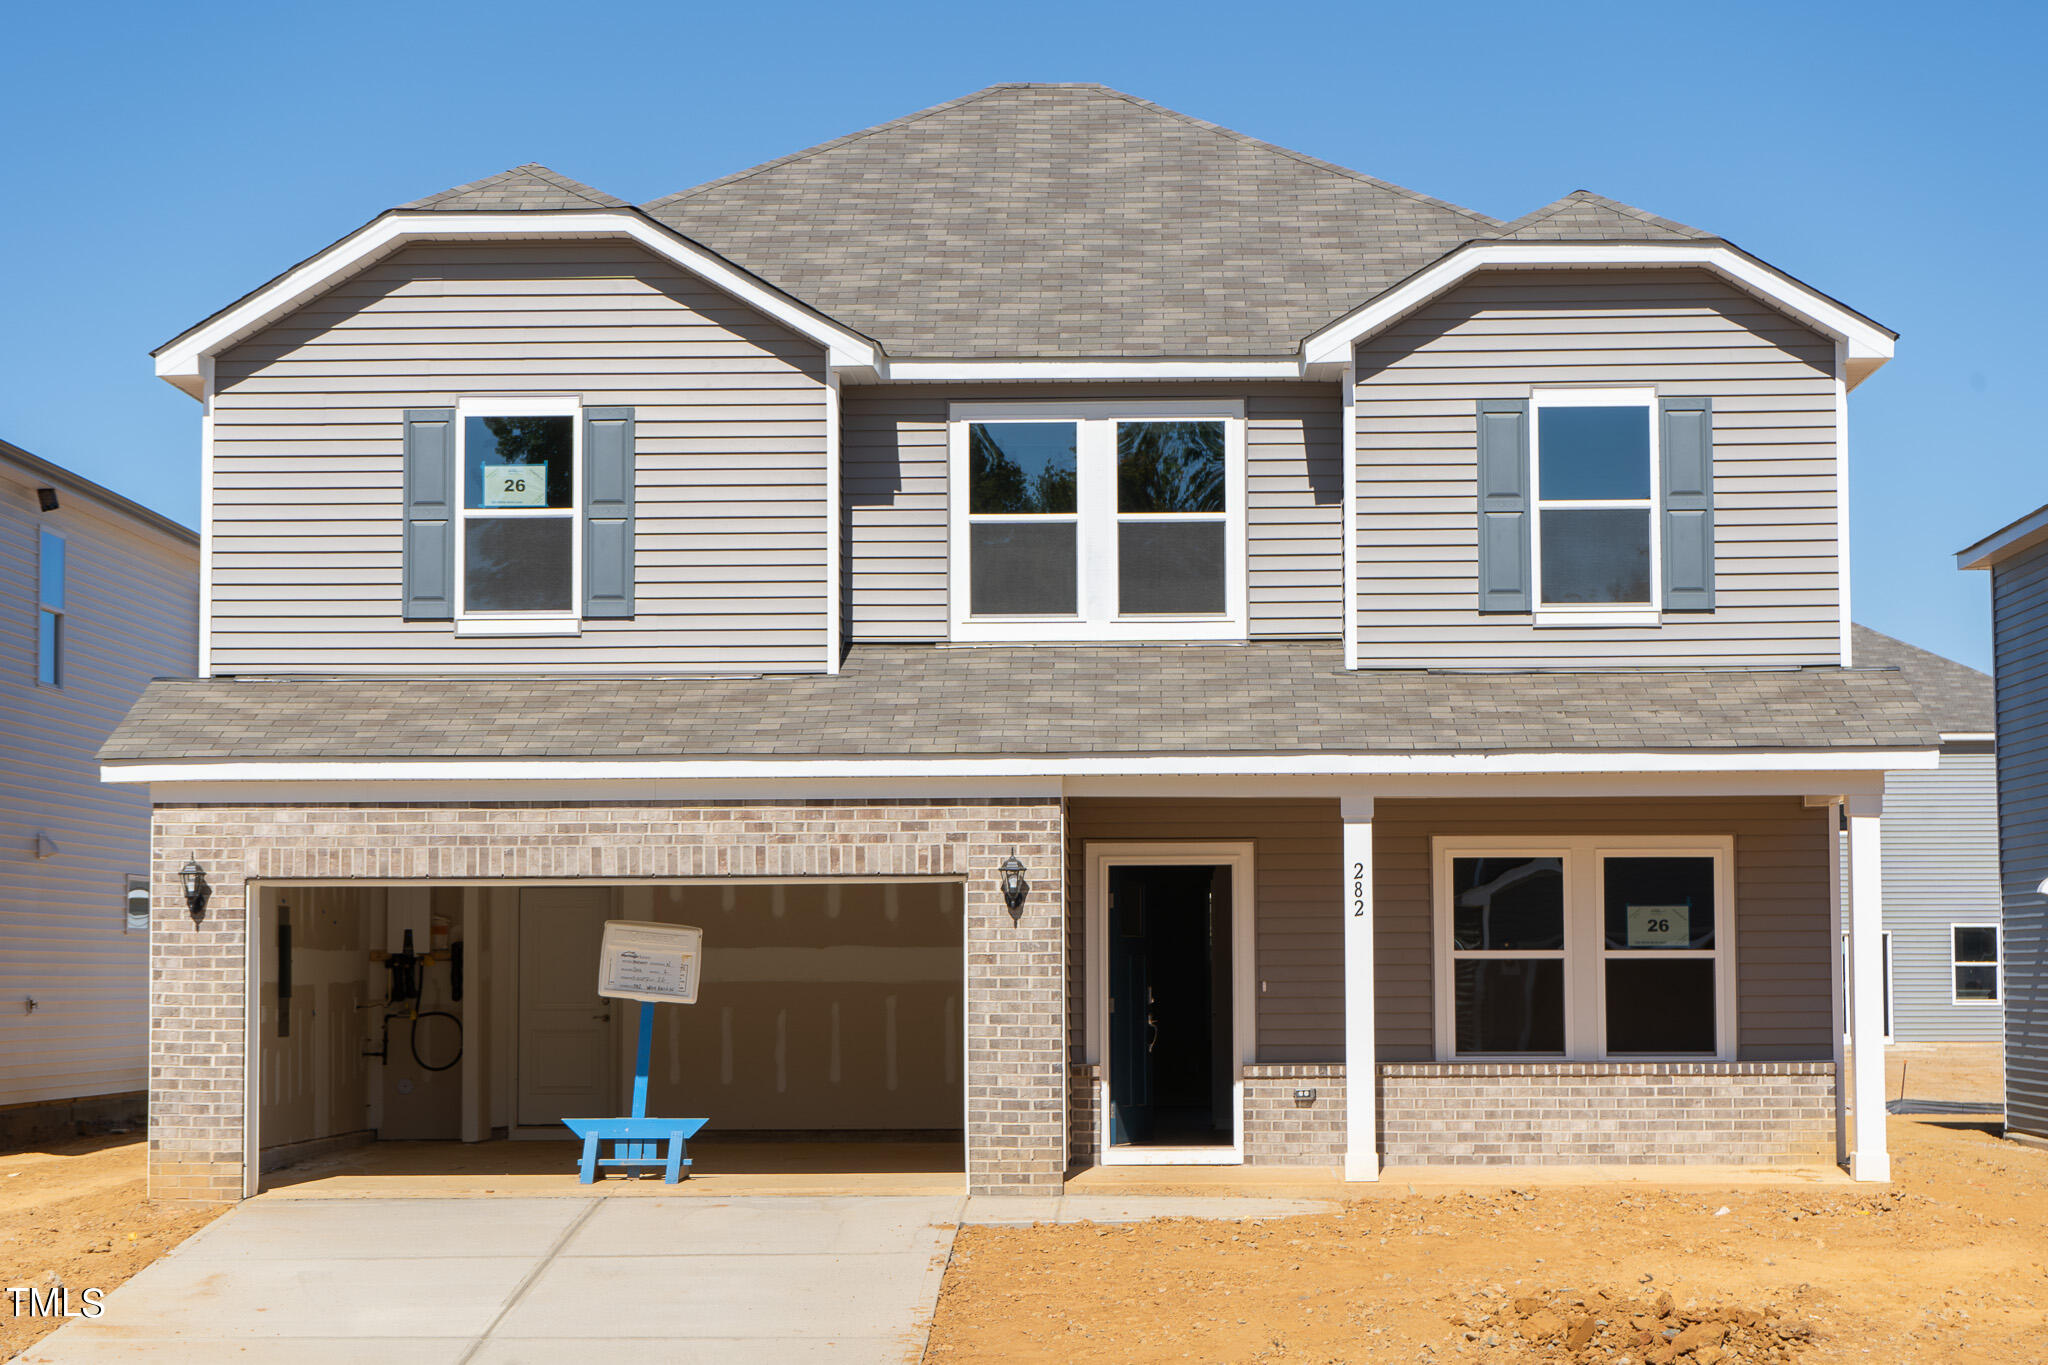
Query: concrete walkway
<point x="747" y="1280"/>
<point x="412" y="1281"/>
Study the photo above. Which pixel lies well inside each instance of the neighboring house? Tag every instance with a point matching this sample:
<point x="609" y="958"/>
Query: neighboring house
<point x="1941" y="892"/>
<point x="102" y="595"/>
<point x="1406" y="655"/>
<point x="2017" y="557"/>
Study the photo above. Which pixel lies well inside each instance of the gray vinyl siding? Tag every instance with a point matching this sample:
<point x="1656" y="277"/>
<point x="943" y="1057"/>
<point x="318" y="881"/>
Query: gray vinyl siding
<point x="731" y="545"/>
<point x="1681" y="332"/>
<point x="1940" y="869"/>
<point x="1782" y="918"/>
<point x="894" y="475"/>
<point x="2019" y="623"/>
<point x="132" y="608"/>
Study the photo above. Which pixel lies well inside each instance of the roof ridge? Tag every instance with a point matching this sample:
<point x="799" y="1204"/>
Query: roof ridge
<point x="531" y="170"/>
<point x="1583" y="196"/>
<point x="819" y="148"/>
<point x="1304" y="158"/>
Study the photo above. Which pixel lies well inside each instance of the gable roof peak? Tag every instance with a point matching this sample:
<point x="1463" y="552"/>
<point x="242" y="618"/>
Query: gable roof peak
<point x="1583" y="216"/>
<point x="528" y="187"/>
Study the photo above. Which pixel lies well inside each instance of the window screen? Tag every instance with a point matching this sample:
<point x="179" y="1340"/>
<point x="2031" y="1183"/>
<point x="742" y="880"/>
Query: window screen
<point x="1171" y="543"/>
<point x="1021" y="568"/>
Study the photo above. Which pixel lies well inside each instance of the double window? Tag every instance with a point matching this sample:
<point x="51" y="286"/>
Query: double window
<point x="50" y="610"/>
<point x="1974" y="963"/>
<point x="518" y="557"/>
<point x="1593" y="459"/>
<point x="1584" y="949"/>
<point x="1077" y="521"/>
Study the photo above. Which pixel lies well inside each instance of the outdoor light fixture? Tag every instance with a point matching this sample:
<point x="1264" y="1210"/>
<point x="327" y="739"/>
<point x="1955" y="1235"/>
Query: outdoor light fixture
<point x="196" y="889"/>
<point x="46" y="498"/>
<point x="1015" y="888"/>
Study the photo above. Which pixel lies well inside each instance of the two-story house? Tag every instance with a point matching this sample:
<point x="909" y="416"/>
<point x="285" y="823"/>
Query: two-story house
<point x="1135" y="645"/>
<point x="101" y="595"/>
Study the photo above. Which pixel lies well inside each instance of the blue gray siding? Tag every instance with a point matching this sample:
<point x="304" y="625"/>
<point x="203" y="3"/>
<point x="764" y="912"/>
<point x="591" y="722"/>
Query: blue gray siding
<point x="2019" y="617"/>
<point x="1940" y="869"/>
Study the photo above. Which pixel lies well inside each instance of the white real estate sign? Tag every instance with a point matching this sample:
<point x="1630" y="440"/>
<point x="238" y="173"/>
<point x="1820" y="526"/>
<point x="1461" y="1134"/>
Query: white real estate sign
<point x="657" y="963"/>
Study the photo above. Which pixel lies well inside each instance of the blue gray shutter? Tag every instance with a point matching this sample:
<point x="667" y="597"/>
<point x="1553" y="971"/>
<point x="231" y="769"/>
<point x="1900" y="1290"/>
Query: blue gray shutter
<point x="1504" y="505"/>
<point x="608" y="512"/>
<point x="1688" y="511"/>
<point x="428" y="574"/>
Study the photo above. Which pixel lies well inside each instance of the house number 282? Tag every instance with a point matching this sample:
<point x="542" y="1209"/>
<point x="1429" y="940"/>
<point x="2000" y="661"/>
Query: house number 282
<point x="1358" y="890"/>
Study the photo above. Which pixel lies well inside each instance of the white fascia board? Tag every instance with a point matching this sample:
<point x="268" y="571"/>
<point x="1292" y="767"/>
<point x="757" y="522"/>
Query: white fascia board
<point x="1143" y="368"/>
<point x="1019" y="768"/>
<point x="179" y="362"/>
<point x="2024" y="534"/>
<point x="1868" y="345"/>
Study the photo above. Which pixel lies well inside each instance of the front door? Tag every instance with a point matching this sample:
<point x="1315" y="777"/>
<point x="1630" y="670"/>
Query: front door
<point x="565" y="1031"/>
<point x="1169" y="1023"/>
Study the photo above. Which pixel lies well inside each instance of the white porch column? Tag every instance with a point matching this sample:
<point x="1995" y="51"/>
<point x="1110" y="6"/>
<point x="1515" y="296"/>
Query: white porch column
<point x="1867" y="1157"/>
<point x="1361" y="1069"/>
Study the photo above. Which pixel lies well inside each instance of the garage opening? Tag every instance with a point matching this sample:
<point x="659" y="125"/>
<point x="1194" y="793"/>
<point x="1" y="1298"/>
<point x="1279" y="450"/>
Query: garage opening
<point x="446" y="1032"/>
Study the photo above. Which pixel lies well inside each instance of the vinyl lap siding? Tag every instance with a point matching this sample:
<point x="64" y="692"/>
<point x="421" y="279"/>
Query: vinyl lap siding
<point x="1682" y="332"/>
<point x="1940" y="869"/>
<point x="2019" y="616"/>
<point x="894" y="476"/>
<point x="132" y="599"/>
<point x="730" y="477"/>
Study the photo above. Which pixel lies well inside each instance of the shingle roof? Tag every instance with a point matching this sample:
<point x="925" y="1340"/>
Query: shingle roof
<point x="1959" y="699"/>
<point x="923" y="700"/>
<point x="532" y="186"/>
<point x="1069" y="220"/>
<point x="1583" y="216"/>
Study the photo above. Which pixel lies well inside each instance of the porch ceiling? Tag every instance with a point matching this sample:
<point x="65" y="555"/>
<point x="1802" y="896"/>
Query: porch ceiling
<point x="929" y="701"/>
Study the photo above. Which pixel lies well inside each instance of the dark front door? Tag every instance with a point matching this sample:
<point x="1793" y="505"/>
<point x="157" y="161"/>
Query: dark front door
<point x="1169" y="1005"/>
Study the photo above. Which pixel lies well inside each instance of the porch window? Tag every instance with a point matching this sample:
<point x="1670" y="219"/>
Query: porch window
<point x="520" y="468"/>
<point x="1974" y="963"/>
<point x="1098" y="521"/>
<point x="1593" y="470"/>
<point x="1584" y="949"/>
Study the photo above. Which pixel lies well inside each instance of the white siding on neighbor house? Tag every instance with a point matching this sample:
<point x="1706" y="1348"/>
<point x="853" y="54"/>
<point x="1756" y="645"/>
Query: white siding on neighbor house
<point x="1686" y="334"/>
<point x="894" y="477"/>
<point x="730" y="461"/>
<point x="2019" y="630"/>
<point x="131" y="613"/>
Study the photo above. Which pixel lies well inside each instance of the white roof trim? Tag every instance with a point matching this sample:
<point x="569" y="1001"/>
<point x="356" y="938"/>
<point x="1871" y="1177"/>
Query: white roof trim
<point x="179" y="362"/>
<point x="1010" y="769"/>
<point x="2024" y="534"/>
<point x="1868" y="345"/>
<point x="1144" y="367"/>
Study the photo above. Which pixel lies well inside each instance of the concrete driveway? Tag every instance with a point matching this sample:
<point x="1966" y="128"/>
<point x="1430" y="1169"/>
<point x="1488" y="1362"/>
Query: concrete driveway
<point x="737" y="1280"/>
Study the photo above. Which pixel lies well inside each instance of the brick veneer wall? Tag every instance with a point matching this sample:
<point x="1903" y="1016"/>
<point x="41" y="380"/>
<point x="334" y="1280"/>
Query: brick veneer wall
<point x="1280" y="1130"/>
<point x="1016" y="1028"/>
<point x="1084" y="1133"/>
<point x="1599" y="1113"/>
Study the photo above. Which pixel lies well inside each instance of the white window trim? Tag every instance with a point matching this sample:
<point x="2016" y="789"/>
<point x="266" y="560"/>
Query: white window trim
<point x="1595" y="613"/>
<point x="1244" y="1026"/>
<point x="1997" y="965"/>
<point x="1585" y="977"/>
<point x="519" y="623"/>
<point x="1096" y="519"/>
<point x="59" y="665"/>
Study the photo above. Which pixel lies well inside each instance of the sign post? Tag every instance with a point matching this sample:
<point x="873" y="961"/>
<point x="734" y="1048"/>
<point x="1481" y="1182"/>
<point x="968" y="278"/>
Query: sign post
<point x="650" y="964"/>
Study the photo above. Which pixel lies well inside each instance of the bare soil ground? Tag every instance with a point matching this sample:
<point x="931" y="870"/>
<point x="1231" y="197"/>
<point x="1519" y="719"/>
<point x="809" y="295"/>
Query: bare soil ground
<point x="73" y="1214"/>
<point x="1945" y="1264"/>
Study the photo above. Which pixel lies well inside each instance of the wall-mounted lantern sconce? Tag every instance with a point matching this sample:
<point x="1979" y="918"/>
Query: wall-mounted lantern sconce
<point x="1015" y="888"/>
<point x="46" y="498"/>
<point x="196" y="889"/>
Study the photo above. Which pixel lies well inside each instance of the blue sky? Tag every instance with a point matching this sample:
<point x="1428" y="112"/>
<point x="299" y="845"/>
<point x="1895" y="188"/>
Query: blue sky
<point x="163" y="160"/>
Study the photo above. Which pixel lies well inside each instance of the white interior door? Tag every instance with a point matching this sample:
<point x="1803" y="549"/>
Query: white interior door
<point x="565" y="1031"/>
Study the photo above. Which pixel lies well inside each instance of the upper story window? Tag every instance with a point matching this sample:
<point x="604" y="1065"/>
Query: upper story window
<point x="50" y="662"/>
<point x="1594" y="469"/>
<point x="518" y="555"/>
<point x="1098" y="521"/>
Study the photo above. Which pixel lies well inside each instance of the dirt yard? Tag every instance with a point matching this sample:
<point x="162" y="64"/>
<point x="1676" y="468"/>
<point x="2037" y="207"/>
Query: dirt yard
<point x="74" y="1215"/>
<point x="1946" y="1264"/>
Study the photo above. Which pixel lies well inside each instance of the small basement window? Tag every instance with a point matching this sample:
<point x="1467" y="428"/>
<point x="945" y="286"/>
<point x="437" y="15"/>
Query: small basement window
<point x="519" y="559"/>
<point x="1974" y="963"/>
